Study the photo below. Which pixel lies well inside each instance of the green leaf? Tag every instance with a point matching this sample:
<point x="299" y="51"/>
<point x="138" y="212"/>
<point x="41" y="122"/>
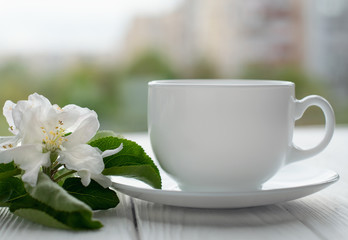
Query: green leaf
<point x="132" y="161"/>
<point x="50" y="193"/>
<point x="56" y="206"/>
<point x="145" y="173"/>
<point x="103" y="134"/>
<point x="46" y="215"/>
<point x="94" y="195"/>
<point x="8" y="170"/>
<point x="11" y="189"/>
<point x="39" y="217"/>
<point x="5" y="167"/>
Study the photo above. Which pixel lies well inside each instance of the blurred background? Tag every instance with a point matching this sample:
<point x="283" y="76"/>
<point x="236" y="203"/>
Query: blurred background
<point x="101" y="54"/>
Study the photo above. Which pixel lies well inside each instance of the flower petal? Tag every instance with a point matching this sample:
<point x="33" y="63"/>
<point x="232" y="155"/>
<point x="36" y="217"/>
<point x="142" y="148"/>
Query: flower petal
<point x="104" y="181"/>
<point x="82" y="157"/>
<point x="29" y="158"/>
<point x="29" y="116"/>
<point x="88" y="163"/>
<point x="72" y="115"/>
<point x="36" y="104"/>
<point x="87" y="127"/>
<point x="8" y="142"/>
<point x="30" y="128"/>
<point x="86" y="177"/>
<point x="39" y="100"/>
<point x="7" y="111"/>
<point x="108" y="153"/>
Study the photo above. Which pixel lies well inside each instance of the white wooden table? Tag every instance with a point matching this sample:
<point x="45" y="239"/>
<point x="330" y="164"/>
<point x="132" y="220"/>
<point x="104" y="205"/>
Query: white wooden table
<point x="323" y="215"/>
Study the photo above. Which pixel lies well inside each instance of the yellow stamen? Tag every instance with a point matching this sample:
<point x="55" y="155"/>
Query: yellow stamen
<point x="54" y="139"/>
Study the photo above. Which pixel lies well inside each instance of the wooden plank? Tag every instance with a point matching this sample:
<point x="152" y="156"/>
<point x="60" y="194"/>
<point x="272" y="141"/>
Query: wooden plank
<point x="156" y="221"/>
<point x="118" y="224"/>
<point x="326" y="212"/>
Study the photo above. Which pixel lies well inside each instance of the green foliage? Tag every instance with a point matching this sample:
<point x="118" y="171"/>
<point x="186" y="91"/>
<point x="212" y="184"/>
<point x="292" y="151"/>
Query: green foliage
<point x="305" y="85"/>
<point x="203" y="69"/>
<point x="40" y="217"/>
<point x="53" y="200"/>
<point x="85" y="84"/>
<point x="8" y="170"/>
<point x="118" y="92"/>
<point x="132" y="161"/>
<point x="151" y="64"/>
<point x="11" y="190"/>
<point x="47" y="204"/>
<point x="103" y="134"/>
<point x="94" y="195"/>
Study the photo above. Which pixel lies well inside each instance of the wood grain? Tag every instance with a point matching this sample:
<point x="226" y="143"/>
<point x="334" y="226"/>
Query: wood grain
<point x="326" y="215"/>
<point x="326" y="212"/>
<point x="157" y="221"/>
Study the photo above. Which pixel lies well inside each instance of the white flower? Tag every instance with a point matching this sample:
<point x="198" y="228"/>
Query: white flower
<point x="42" y="130"/>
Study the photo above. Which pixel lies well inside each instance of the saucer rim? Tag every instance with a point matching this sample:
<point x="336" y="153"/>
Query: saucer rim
<point x="334" y="178"/>
<point x="230" y="200"/>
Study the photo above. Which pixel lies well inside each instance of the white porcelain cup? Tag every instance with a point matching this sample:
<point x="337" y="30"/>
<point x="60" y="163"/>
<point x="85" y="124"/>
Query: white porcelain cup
<point x="228" y="135"/>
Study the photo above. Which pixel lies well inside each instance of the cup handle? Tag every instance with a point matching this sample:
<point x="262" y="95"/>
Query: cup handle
<point x="296" y="153"/>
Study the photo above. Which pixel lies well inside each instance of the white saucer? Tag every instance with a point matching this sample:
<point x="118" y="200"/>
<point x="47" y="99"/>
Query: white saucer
<point x="292" y="182"/>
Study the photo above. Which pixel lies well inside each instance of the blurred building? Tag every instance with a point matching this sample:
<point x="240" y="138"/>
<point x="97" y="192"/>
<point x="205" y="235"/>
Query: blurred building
<point x="230" y="34"/>
<point x="327" y="42"/>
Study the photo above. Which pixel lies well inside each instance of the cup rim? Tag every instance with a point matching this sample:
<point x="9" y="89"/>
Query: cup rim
<point x="222" y="82"/>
